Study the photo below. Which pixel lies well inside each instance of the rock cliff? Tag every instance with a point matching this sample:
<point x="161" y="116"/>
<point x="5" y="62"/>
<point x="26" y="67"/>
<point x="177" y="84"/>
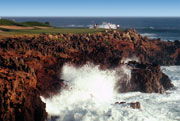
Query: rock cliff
<point x="30" y="66"/>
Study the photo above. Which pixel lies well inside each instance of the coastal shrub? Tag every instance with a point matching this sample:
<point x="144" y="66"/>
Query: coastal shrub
<point x="60" y="39"/>
<point x="3" y="29"/>
<point x="47" y="23"/>
<point x="106" y="42"/>
<point x="28" y="23"/>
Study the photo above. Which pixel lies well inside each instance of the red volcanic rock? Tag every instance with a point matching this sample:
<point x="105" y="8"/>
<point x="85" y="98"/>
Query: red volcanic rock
<point x="30" y="66"/>
<point x="19" y="99"/>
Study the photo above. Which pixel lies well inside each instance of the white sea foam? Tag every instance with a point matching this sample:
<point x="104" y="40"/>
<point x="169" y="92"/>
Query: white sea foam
<point x="92" y="98"/>
<point x="105" y="25"/>
<point x="150" y="35"/>
<point x="79" y="26"/>
<point x="126" y="60"/>
<point x="151" y="27"/>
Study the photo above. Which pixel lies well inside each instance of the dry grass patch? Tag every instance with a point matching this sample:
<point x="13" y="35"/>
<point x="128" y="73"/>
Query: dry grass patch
<point x="16" y="27"/>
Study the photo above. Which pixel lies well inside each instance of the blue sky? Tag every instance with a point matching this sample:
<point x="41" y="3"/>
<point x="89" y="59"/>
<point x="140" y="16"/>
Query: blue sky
<point x="90" y="8"/>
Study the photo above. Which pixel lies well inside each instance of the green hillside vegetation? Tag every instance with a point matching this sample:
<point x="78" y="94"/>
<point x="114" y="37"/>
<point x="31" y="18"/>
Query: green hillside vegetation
<point x="9" y="23"/>
<point x="35" y="23"/>
<point x="25" y="24"/>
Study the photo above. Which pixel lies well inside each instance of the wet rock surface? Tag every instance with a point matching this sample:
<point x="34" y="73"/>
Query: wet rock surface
<point x="30" y="66"/>
<point x="134" y="105"/>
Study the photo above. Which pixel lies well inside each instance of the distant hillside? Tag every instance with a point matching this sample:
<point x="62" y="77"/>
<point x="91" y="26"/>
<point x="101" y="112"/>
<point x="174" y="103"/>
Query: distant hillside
<point x="9" y="22"/>
<point x="28" y="23"/>
<point x="35" y="23"/>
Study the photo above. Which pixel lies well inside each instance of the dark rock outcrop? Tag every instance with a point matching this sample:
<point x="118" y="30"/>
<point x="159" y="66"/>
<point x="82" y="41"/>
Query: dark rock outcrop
<point x="149" y="78"/>
<point x="135" y="105"/>
<point x="146" y="78"/>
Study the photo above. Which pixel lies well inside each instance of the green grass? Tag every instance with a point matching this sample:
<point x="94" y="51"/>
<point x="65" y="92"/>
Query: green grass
<point x="107" y="43"/>
<point x="51" y="31"/>
<point x="26" y="24"/>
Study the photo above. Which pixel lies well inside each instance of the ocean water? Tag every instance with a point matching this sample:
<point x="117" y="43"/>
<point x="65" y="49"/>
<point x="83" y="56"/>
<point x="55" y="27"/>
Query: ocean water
<point x="91" y="97"/>
<point x="164" y="28"/>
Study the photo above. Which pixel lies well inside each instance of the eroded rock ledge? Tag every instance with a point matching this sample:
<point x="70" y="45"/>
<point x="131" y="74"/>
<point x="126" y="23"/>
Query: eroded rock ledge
<point x="30" y="66"/>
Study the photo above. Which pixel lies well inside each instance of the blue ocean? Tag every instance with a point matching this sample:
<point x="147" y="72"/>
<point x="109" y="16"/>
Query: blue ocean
<point x="167" y="29"/>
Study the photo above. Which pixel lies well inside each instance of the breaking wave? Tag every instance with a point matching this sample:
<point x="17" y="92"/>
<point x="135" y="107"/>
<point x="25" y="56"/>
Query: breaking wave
<point x="150" y="35"/>
<point x="105" y="25"/>
<point x="91" y="96"/>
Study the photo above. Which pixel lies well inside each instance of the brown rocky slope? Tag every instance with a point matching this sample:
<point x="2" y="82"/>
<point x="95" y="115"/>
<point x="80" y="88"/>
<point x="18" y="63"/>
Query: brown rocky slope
<point x="29" y="66"/>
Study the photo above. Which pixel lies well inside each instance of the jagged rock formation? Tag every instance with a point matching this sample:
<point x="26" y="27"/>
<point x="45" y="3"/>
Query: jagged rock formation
<point x="30" y="66"/>
<point x="146" y="78"/>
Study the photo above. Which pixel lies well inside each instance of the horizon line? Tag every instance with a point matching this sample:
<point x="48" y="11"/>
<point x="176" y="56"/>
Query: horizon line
<point x="101" y="16"/>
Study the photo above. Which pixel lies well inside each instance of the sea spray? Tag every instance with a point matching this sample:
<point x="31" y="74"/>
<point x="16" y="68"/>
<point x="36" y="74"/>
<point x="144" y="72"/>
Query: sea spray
<point x="89" y="79"/>
<point x="77" y="104"/>
<point x="123" y="75"/>
<point x="88" y="87"/>
<point x="126" y="60"/>
<point x="105" y="25"/>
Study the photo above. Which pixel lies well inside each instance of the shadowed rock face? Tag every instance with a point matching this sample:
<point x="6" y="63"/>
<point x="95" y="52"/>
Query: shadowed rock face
<point x="30" y="66"/>
<point x="146" y="78"/>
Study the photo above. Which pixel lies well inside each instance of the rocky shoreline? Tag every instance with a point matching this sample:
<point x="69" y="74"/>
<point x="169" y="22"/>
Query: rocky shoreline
<point x="30" y="66"/>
